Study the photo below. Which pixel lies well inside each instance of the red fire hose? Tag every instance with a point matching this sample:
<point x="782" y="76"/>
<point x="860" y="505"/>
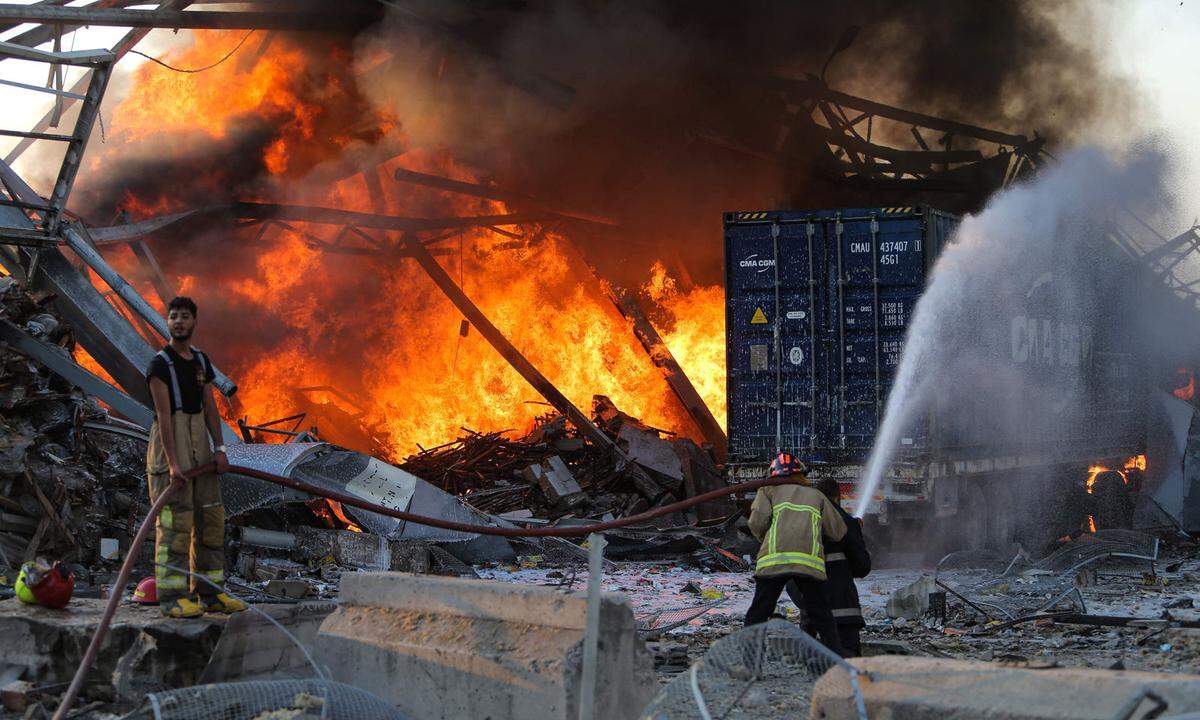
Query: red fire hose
<point x="114" y="598"/>
<point x="573" y="531"/>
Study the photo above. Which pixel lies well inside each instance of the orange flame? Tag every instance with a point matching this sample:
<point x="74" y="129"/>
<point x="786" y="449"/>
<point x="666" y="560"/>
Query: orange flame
<point x="1136" y="462"/>
<point x="697" y="334"/>
<point x="399" y="352"/>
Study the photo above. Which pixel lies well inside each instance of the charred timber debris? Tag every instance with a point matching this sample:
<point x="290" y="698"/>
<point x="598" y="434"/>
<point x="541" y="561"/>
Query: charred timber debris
<point x="555" y="470"/>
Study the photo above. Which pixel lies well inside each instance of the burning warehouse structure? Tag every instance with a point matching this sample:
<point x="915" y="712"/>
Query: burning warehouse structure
<point x="459" y="279"/>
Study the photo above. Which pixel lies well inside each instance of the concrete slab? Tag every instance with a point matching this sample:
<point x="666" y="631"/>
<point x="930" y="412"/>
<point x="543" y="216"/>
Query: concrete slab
<point x="453" y="648"/>
<point x="253" y="648"/>
<point x="143" y="650"/>
<point x="915" y="688"/>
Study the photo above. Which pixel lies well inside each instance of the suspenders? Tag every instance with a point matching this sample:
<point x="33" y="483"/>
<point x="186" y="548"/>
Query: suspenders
<point x="176" y="396"/>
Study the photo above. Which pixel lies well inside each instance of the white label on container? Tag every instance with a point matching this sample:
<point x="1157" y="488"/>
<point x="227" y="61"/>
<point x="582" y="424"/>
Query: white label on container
<point x="906" y="441"/>
<point x="796" y="356"/>
<point x="796" y="315"/>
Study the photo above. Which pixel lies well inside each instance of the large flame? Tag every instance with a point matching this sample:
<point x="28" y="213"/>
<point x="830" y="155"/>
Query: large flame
<point x="695" y="335"/>
<point x="377" y="328"/>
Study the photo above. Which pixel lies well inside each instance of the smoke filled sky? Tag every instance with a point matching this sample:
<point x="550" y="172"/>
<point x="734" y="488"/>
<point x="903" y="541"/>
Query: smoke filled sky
<point x="1148" y="47"/>
<point x="1146" y="50"/>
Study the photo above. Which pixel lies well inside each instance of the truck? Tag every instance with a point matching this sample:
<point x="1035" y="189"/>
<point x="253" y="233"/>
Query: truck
<point x="818" y="303"/>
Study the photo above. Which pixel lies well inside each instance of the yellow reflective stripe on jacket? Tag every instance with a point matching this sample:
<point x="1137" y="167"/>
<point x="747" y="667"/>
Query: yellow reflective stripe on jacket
<point x="792" y="558"/>
<point x="772" y="558"/>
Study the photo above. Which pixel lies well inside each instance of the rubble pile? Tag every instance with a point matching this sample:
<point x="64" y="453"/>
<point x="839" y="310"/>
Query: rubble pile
<point x="553" y="471"/>
<point x="68" y="489"/>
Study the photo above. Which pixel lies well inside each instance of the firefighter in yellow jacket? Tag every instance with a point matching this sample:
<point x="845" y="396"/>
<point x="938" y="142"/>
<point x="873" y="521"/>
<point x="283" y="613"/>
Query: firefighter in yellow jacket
<point x="791" y="521"/>
<point x="190" y="532"/>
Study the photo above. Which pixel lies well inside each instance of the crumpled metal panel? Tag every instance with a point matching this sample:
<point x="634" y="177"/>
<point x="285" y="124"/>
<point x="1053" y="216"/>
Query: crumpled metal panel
<point x="360" y="475"/>
<point x="328" y="466"/>
<point x="271" y="458"/>
<point x="242" y="493"/>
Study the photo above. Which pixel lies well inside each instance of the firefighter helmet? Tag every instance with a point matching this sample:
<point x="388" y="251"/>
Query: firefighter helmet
<point x="22" y="585"/>
<point x="48" y="585"/>
<point x="785" y="465"/>
<point x="146" y="592"/>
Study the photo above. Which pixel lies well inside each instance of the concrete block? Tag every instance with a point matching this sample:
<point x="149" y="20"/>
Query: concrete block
<point x="15" y="695"/>
<point x="919" y="688"/>
<point x="346" y="547"/>
<point x="143" y="650"/>
<point x="290" y="589"/>
<point x="650" y="451"/>
<point x="447" y="648"/>
<point x="252" y="648"/>
<point x="554" y="479"/>
<point x="911" y="601"/>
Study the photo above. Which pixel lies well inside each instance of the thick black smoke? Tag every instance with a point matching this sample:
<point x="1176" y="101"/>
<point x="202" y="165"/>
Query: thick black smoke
<point x="654" y="82"/>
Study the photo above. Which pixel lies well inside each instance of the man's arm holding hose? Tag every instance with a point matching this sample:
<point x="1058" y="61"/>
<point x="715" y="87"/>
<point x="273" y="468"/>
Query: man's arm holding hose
<point x="212" y="419"/>
<point x="166" y="428"/>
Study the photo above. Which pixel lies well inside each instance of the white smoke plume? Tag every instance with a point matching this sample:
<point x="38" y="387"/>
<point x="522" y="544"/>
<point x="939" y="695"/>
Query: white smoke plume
<point x="1026" y="318"/>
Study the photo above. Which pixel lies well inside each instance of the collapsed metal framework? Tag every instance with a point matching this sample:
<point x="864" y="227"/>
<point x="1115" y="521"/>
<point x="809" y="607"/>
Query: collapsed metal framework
<point x="50" y="210"/>
<point x="851" y="128"/>
<point x="1175" y="261"/>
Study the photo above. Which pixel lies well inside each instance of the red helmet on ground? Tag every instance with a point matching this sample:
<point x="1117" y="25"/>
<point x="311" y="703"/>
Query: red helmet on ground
<point x="52" y="585"/>
<point x="785" y="465"/>
<point x="146" y="592"/>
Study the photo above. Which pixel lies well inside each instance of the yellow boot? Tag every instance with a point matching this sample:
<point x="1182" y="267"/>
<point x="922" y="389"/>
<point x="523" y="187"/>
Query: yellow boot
<point x="184" y="607"/>
<point x="224" y="603"/>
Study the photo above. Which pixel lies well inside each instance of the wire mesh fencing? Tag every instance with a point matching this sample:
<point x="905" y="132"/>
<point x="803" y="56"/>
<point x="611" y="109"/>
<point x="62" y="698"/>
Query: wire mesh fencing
<point x="763" y="671"/>
<point x="274" y="699"/>
<point x="656" y="622"/>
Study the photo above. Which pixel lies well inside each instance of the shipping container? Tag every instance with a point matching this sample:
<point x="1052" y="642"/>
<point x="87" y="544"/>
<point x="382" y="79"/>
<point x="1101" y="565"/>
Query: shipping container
<point x="817" y="306"/>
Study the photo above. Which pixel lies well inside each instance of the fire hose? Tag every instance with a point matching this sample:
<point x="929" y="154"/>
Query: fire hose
<point x="118" y="588"/>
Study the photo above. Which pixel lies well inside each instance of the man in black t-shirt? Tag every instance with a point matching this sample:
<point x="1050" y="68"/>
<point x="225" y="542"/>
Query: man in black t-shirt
<point x="189" y="544"/>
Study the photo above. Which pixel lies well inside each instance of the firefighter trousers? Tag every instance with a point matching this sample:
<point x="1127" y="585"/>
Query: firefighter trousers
<point x="190" y="531"/>
<point x="815" y="608"/>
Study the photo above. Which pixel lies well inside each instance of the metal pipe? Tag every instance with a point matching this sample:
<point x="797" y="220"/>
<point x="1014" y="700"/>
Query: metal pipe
<point x="494" y="193"/>
<point x="196" y="19"/>
<point x="591" y="633"/>
<point x="267" y="538"/>
<point x="776" y="328"/>
<point x="114" y="599"/>
<point x="567" y="531"/>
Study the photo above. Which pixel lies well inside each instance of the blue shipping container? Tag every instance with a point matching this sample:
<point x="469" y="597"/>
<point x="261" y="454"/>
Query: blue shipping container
<point x="817" y="305"/>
